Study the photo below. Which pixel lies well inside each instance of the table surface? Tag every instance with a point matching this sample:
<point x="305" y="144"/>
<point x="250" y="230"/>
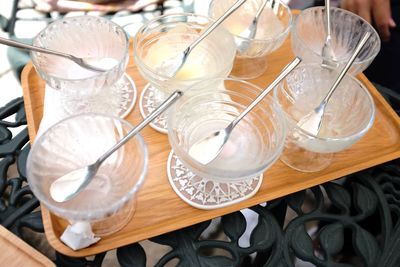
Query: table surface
<point x="160" y="210"/>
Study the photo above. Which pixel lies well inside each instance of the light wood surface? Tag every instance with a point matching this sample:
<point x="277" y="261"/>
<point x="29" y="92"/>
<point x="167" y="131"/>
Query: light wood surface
<point x="160" y="210"/>
<point x="15" y="252"/>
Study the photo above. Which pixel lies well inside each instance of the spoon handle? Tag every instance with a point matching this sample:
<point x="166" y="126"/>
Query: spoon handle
<point x="348" y="65"/>
<point x="20" y="45"/>
<point x="166" y="104"/>
<point x="328" y="18"/>
<point x="214" y="25"/>
<point x="259" y="11"/>
<point x="281" y="76"/>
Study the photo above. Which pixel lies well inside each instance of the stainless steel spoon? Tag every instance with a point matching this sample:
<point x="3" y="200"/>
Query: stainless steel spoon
<point x="311" y="122"/>
<point x="251" y="31"/>
<point x="72" y="183"/>
<point x="87" y="63"/>
<point x="327" y="51"/>
<point x="173" y="65"/>
<point x="207" y="149"/>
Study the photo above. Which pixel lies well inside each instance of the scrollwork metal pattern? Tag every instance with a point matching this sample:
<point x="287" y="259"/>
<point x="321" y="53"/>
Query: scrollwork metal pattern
<point x="355" y="220"/>
<point x="17" y="203"/>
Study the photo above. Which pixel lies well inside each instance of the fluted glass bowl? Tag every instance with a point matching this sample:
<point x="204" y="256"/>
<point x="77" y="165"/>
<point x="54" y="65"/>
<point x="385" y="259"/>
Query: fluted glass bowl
<point x="163" y="38"/>
<point x="254" y="145"/>
<point x="83" y="36"/>
<point x="272" y="29"/>
<point x="108" y="201"/>
<point x="87" y="37"/>
<point x="309" y="34"/>
<point x="349" y="114"/>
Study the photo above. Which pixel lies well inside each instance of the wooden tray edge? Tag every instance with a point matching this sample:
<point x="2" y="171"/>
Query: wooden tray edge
<point x="26" y="71"/>
<point x="376" y="95"/>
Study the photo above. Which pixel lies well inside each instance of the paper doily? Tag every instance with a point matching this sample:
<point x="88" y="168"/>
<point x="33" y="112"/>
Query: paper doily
<point x="205" y="193"/>
<point x="147" y="104"/>
<point x="118" y="100"/>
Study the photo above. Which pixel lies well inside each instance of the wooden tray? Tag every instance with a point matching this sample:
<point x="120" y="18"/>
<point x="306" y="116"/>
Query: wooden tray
<point x="160" y="210"/>
<point x="15" y="252"/>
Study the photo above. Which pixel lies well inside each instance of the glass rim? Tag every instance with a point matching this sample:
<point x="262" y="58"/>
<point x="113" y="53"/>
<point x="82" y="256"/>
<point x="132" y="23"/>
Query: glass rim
<point x="352" y="136"/>
<point x="80" y="215"/>
<point x="121" y="61"/>
<point x="372" y="29"/>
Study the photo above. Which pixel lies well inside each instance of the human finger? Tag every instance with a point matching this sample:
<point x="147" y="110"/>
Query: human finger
<point x="382" y="16"/>
<point x="364" y="11"/>
<point x="348" y="5"/>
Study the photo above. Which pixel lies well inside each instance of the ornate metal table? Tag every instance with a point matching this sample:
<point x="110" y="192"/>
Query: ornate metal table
<point x="353" y="221"/>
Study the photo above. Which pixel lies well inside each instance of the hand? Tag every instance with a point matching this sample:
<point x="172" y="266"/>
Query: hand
<point x="377" y="11"/>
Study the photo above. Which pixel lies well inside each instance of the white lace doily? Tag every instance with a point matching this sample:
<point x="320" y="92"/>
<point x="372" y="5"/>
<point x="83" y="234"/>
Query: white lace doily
<point x="118" y="100"/>
<point x="147" y="104"/>
<point x="204" y="193"/>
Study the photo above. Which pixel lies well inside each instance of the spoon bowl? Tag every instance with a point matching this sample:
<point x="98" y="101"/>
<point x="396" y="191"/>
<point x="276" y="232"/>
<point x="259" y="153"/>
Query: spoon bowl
<point x="64" y="188"/>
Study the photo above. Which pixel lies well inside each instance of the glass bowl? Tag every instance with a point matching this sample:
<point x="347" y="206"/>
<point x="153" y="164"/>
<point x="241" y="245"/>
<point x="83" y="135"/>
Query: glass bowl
<point x="82" y="90"/>
<point x="254" y="145"/>
<point x="349" y="114"/>
<point x="108" y="201"/>
<point x="166" y="36"/>
<point x="308" y="37"/>
<point x="273" y="27"/>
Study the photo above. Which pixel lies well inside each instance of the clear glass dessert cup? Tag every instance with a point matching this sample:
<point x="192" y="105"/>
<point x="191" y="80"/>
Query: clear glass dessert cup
<point x="309" y="34"/>
<point x="254" y="145"/>
<point x="272" y="29"/>
<point x="349" y="115"/>
<point x="82" y="90"/>
<point x="164" y="37"/>
<point x="108" y="202"/>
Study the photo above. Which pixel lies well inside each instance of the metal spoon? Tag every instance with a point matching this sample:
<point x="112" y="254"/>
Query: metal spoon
<point x="70" y="184"/>
<point x="207" y="149"/>
<point x="87" y="63"/>
<point x="251" y="31"/>
<point x="327" y="51"/>
<point x="173" y="65"/>
<point x="311" y="122"/>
